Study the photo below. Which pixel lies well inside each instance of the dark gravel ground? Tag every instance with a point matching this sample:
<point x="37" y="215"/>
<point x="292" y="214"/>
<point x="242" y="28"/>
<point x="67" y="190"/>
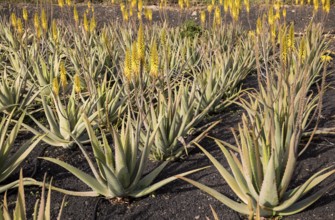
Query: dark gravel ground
<point x="180" y="200"/>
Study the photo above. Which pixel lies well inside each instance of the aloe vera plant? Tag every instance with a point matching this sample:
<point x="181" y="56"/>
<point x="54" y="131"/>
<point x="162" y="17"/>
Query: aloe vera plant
<point x="15" y="94"/>
<point x="8" y="161"/>
<point x="66" y="121"/>
<point x="220" y="83"/>
<point x="118" y="172"/>
<point x="42" y="207"/>
<point x="268" y="146"/>
<point x="179" y="112"/>
<point x="111" y="102"/>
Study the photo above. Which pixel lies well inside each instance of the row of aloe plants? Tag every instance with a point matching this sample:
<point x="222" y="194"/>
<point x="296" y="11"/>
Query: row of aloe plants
<point x="147" y="91"/>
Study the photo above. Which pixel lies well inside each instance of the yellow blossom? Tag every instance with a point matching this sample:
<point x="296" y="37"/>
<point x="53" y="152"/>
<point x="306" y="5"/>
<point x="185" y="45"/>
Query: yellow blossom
<point x="140" y="5"/>
<point x="127" y="65"/>
<point x="36" y="21"/>
<point x="327" y="6"/>
<point x="63" y="75"/>
<point x="93" y="24"/>
<point x="210" y="8"/>
<point x="61" y="3"/>
<point x="302" y="50"/>
<point x="85" y="21"/>
<point x="154" y="60"/>
<point x="326" y="58"/>
<point x="77" y="86"/>
<point x="75" y="14"/>
<point x="316" y="4"/>
<point x="19" y="26"/>
<point x="135" y="61"/>
<point x="55" y="86"/>
<point x="54" y="31"/>
<point x="13" y="19"/>
<point x="203" y="17"/>
<point x="25" y="14"/>
<point x="44" y="20"/>
<point x="284" y="12"/>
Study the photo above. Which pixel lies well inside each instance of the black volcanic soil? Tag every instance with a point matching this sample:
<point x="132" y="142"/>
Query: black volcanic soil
<point x="180" y="200"/>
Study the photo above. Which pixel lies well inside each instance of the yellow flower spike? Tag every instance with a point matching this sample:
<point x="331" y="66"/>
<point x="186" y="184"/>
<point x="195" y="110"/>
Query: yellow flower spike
<point x="225" y="6"/>
<point x="133" y="4"/>
<point x="284" y="13"/>
<point x="203" y="17"/>
<point x="277" y="6"/>
<point x="316" y="4"/>
<point x="326" y="58"/>
<point x="141" y="43"/>
<point x="55" y="86"/>
<point x="44" y="21"/>
<point x="75" y="15"/>
<point x="19" y="26"/>
<point x="140" y="5"/>
<point x="77" y="86"/>
<point x="213" y="2"/>
<point x="221" y="2"/>
<point x="68" y="2"/>
<point x="290" y="39"/>
<point x="36" y="21"/>
<point x="25" y="14"/>
<point x="85" y="21"/>
<point x="217" y="15"/>
<point x="150" y="15"/>
<point x="125" y="16"/>
<point x="283" y="53"/>
<point x="217" y="12"/>
<point x="302" y="2"/>
<point x="187" y="2"/>
<point x="88" y="4"/>
<point x="247" y="5"/>
<point x="163" y="37"/>
<point x="302" y="50"/>
<point x="39" y="32"/>
<point x="323" y="2"/>
<point x="154" y="60"/>
<point x="327" y="6"/>
<point x="93" y="24"/>
<point x="270" y="16"/>
<point x="127" y="65"/>
<point x="54" y="31"/>
<point x="130" y="12"/>
<point x="63" y="78"/>
<point x="296" y="2"/>
<point x="122" y="7"/>
<point x="251" y="34"/>
<point x="210" y="8"/>
<point x="309" y="1"/>
<point x="135" y="61"/>
<point x="61" y="3"/>
<point x="13" y="20"/>
<point x="277" y="16"/>
<point x="181" y="4"/>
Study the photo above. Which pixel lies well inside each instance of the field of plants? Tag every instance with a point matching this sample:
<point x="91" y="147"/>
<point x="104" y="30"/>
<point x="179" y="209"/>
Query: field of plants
<point x="214" y="109"/>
